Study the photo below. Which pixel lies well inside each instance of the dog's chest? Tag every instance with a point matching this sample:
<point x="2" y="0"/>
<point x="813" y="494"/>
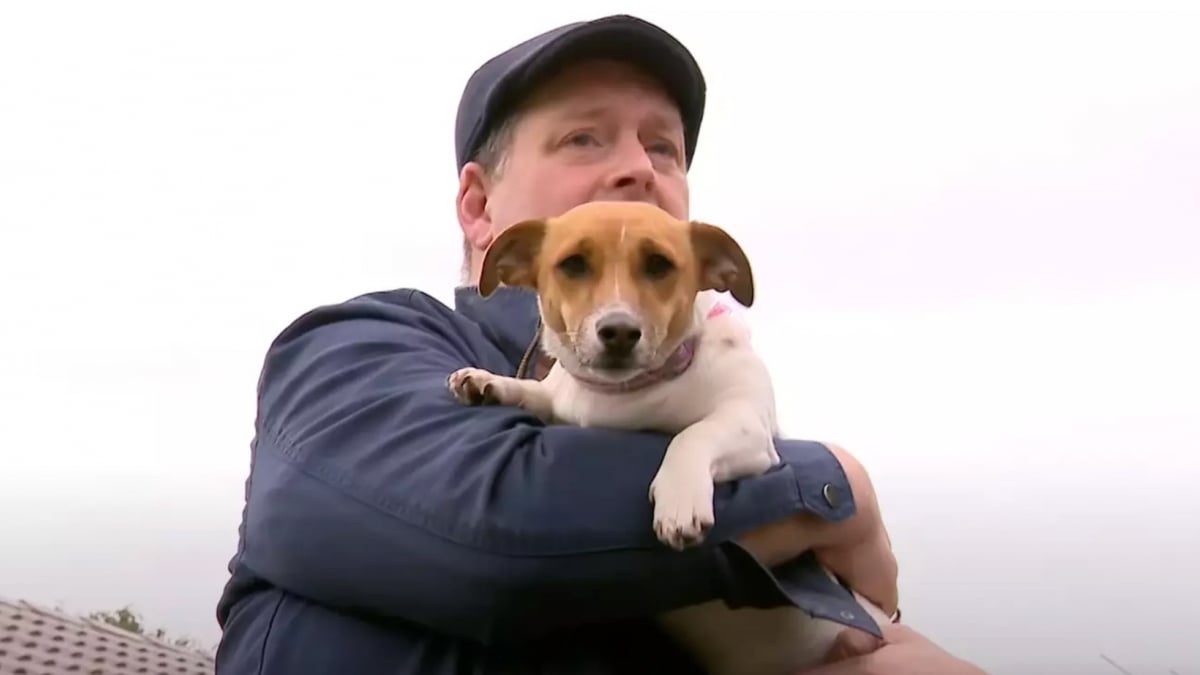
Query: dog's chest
<point x="668" y="407"/>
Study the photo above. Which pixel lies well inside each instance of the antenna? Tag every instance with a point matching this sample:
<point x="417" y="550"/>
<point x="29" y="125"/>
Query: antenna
<point x="1114" y="664"/>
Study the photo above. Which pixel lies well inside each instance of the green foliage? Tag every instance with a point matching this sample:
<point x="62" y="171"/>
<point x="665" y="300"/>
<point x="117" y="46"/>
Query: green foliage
<point x="126" y="618"/>
<point x="123" y="618"/>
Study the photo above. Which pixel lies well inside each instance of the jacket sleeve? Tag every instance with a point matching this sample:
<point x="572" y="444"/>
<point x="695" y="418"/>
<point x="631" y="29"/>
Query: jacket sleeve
<point x="372" y="489"/>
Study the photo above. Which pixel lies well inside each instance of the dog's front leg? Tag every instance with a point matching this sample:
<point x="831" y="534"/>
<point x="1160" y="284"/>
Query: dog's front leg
<point x="476" y="386"/>
<point x="730" y="443"/>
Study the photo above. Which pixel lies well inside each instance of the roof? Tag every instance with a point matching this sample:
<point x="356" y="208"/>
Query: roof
<point x="39" y="641"/>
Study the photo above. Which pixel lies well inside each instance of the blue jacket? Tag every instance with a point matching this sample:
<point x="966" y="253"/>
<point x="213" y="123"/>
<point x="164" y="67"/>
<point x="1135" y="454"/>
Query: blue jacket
<point x="389" y="529"/>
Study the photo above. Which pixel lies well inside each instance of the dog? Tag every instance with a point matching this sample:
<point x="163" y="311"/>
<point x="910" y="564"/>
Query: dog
<point x="632" y="314"/>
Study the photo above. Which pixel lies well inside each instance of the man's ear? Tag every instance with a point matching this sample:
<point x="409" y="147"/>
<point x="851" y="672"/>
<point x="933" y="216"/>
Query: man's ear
<point x="471" y="206"/>
<point x="722" y="263"/>
<point x="512" y="258"/>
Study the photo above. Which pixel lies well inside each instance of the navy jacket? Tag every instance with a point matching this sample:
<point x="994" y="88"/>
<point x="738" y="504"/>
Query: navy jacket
<point x="389" y="529"/>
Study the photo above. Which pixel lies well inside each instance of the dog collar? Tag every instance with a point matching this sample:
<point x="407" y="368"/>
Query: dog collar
<point x="675" y="365"/>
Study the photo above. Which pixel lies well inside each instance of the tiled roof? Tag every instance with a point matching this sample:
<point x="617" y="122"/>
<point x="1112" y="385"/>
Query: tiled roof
<point x="39" y="641"/>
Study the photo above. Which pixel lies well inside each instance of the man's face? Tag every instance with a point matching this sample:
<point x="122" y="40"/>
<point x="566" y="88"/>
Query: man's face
<point x="598" y="131"/>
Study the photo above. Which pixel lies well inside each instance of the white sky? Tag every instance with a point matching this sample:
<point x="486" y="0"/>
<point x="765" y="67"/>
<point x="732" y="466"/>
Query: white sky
<point x="975" y="235"/>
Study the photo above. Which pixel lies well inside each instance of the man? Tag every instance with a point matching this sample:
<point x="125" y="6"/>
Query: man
<point x="389" y="529"/>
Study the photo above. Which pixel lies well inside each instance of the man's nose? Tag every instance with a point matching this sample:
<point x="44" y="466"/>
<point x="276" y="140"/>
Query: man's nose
<point x="633" y="174"/>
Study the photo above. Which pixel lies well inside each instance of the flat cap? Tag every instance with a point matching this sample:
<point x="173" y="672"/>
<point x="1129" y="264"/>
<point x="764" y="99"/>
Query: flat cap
<point x="501" y="83"/>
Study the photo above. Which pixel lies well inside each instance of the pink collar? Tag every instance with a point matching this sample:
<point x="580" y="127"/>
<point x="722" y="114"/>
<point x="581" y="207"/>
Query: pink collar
<point x="675" y="365"/>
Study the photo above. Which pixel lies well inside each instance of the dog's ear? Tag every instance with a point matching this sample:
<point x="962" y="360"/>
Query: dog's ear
<point x="511" y="259"/>
<point x="722" y="263"/>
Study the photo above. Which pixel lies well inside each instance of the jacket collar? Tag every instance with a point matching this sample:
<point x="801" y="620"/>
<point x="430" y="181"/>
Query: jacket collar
<point x="509" y="317"/>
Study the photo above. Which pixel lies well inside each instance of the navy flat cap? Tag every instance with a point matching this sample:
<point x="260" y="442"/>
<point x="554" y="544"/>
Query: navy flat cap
<point x="501" y="82"/>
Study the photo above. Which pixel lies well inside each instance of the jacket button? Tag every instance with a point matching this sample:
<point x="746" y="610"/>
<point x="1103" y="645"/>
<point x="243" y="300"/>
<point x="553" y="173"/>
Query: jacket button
<point x="832" y="496"/>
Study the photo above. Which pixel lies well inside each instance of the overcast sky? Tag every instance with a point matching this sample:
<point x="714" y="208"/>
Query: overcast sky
<point x="975" y="238"/>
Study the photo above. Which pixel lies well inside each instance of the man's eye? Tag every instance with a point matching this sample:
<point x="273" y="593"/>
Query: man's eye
<point x="574" y="266"/>
<point x="665" y="148"/>
<point x="582" y="139"/>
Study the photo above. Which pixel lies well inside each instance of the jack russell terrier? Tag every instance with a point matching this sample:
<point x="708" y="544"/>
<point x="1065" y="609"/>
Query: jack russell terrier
<point x="628" y="297"/>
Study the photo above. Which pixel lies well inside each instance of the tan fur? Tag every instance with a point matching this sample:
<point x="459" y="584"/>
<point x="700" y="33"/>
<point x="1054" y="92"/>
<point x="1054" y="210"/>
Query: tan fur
<point x="606" y="259"/>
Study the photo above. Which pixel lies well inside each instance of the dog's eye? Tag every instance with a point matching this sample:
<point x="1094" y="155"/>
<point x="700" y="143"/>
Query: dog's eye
<point x="657" y="266"/>
<point x="573" y="266"/>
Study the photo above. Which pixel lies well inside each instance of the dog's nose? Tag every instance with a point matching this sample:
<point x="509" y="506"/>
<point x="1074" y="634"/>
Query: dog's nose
<point x="619" y="333"/>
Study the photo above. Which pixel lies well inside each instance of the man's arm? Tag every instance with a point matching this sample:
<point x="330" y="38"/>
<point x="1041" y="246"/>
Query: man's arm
<point x="902" y="651"/>
<point x="373" y="489"/>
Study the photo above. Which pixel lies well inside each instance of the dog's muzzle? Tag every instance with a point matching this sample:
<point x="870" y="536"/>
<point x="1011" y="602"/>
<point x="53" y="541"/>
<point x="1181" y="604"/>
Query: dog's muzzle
<point x="618" y="334"/>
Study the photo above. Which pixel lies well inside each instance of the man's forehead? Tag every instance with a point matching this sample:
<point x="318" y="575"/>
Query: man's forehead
<point x="589" y="109"/>
<point x="575" y="91"/>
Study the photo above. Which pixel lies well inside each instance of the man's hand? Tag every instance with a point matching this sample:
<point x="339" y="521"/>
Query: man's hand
<point x="904" y="652"/>
<point x="858" y="549"/>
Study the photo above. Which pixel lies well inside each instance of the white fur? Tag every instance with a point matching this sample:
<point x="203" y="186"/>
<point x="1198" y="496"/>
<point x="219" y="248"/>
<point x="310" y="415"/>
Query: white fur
<point x="721" y="411"/>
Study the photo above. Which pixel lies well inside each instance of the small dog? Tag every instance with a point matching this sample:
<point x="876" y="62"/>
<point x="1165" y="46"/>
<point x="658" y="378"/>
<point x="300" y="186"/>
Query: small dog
<point x="629" y="302"/>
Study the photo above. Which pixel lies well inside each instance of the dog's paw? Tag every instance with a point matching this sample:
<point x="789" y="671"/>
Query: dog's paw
<point x="473" y="386"/>
<point x="683" y="513"/>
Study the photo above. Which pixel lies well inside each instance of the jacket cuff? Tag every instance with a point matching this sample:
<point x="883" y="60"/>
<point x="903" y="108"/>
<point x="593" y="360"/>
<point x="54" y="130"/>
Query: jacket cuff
<point x="801" y="583"/>
<point x="823" y="489"/>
